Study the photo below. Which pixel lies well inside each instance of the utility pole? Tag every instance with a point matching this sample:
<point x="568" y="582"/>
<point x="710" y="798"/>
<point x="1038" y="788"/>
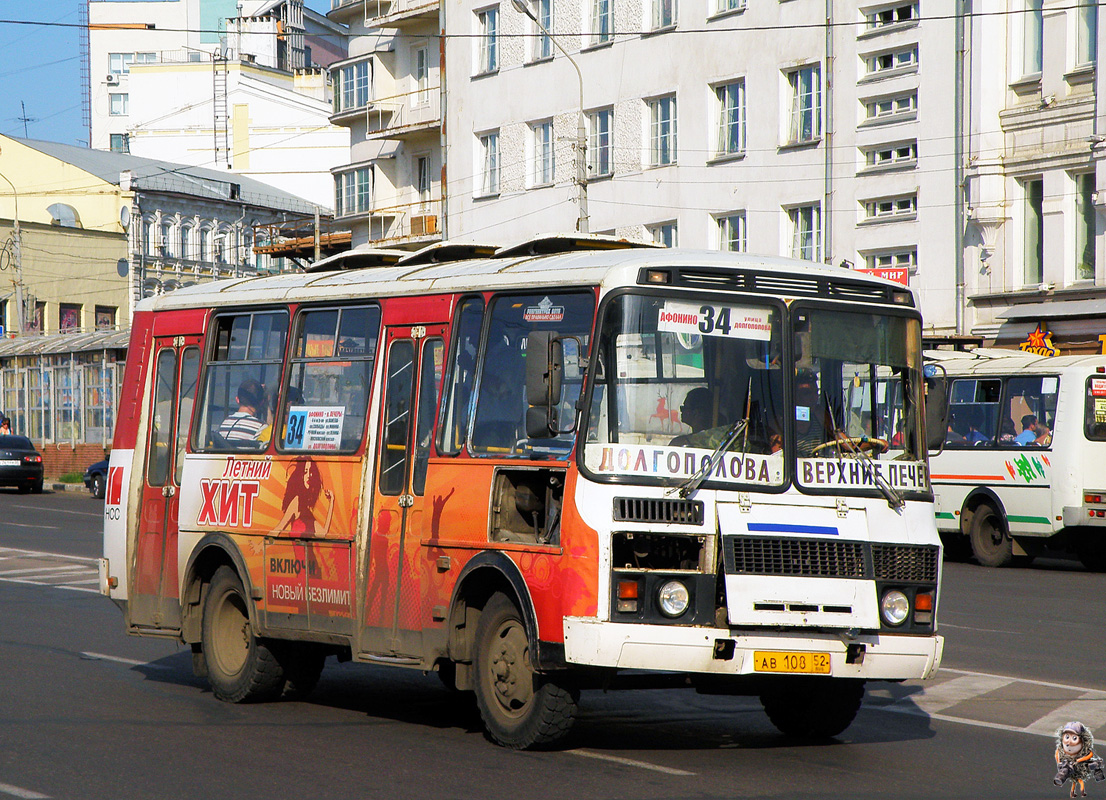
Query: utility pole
<point x="581" y="132"/>
<point x="17" y="253"/>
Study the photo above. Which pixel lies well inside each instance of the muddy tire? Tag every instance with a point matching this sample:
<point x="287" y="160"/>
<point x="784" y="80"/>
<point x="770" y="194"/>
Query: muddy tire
<point x="813" y="708"/>
<point x="520" y="708"/>
<point x="240" y="667"/>
<point x="991" y="543"/>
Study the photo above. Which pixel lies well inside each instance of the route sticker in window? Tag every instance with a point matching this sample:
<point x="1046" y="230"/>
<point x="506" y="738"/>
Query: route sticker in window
<point x="544" y="311"/>
<point x="1098" y="387"/>
<point x="314" y="427"/>
<point x="735" y="322"/>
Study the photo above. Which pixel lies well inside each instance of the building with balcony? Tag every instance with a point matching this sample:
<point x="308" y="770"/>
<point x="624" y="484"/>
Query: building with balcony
<point x="241" y="87"/>
<point x="388" y="94"/>
<point x="1035" y="188"/>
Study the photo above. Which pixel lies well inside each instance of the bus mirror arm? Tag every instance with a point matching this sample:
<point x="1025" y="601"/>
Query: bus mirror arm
<point x="936" y="407"/>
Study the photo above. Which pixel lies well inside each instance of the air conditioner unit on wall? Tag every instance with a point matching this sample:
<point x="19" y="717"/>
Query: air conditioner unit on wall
<point x="424" y="225"/>
<point x="112" y="79"/>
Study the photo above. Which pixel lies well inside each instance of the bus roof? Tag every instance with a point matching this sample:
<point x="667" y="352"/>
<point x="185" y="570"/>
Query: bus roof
<point x="688" y="269"/>
<point x="994" y="361"/>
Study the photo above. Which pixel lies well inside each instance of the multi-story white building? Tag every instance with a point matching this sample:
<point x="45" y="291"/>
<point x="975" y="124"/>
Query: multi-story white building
<point x="388" y="94"/>
<point x="215" y="83"/>
<point x="1035" y="185"/>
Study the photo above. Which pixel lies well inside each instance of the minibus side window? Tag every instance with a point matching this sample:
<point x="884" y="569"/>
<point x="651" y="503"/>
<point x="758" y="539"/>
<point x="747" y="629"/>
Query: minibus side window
<point x="1094" y="415"/>
<point x="329" y="380"/>
<point x="1029" y="410"/>
<point x="462" y="375"/>
<point x="241" y="382"/>
<point x="974" y="413"/>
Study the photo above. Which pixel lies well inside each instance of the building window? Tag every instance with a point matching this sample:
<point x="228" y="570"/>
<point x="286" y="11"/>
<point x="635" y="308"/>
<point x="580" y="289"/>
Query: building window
<point x="664" y="14"/>
<point x="105" y="318"/>
<point x="145" y="58"/>
<point x="731" y="119"/>
<point x="894" y="259"/>
<point x="806" y="232"/>
<point x="118" y="104"/>
<point x="422" y="76"/>
<point x="726" y="6"/>
<point x="1085" y="226"/>
<point x="1033" y="39"/>
<point x="69" y="317"/>
<point x="165" y="245"/>
<point x="887" y="16"/>
<point x="186" y="241"/>
<point x="1086" y="34"/>
<point x="487" y="59"/>
<point x="423" y="180"/>
<point x="353" y="191"/>
<point x="600" y="21"/>
<point x="543" y="45"/>
<point x="806" y="104"/>
<point x="120" y="63"/>
<point x="120" y="143"/>
<point x="889" y="207"/>
<point x="880" y="63"/>
<point x="665" y="234"/>
<point x="489" y="163"/>
<point x="662" y="131"/>
<point x="731" y="232"/>
<point x="600" y="127"/>
<point x="891" y="107"/>
<point x="892" y="155"/>
<point x="353" y="90"/>
<point x="542" y="171"/>
<point x="1034" y="225"/>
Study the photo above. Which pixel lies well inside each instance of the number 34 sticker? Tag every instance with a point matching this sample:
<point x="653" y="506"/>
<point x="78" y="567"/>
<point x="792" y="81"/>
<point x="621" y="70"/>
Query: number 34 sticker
<point x="737" y="322"/>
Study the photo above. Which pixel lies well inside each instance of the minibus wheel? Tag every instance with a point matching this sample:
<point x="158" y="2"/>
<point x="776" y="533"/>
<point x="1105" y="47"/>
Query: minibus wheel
<point x="520" y="708"/>
<point x="813" y="708"/>
<point x="991" y="544"/>
<point x="240" y="667"/>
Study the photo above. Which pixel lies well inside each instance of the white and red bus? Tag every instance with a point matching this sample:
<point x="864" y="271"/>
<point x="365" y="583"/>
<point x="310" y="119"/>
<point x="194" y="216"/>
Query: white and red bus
<point x="531" y="469"/>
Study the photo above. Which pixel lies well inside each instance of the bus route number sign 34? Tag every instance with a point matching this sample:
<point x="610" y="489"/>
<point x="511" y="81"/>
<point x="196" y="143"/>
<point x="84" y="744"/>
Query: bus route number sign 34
<point x="314" y="427"/>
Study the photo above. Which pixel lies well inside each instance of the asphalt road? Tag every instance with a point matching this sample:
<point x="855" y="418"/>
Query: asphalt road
<point x="88" y="712"/>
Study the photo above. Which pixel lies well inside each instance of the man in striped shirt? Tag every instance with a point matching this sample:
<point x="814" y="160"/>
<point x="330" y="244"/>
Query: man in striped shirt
<point x="244" y="425"/>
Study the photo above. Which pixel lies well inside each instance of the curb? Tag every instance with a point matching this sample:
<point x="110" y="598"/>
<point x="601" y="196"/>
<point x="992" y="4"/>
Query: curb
<point x="66" y="487"/>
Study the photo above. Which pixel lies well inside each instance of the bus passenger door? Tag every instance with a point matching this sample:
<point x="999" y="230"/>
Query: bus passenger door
<point x="393" y="602"/>
<point x="154" y="600"/>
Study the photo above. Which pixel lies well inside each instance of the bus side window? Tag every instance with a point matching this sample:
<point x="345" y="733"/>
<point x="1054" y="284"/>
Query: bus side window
<point x="327" y="396"/>
<point x="244" y="367"/>
<point x="453" y="425"/>
<point x="430" y="381"/>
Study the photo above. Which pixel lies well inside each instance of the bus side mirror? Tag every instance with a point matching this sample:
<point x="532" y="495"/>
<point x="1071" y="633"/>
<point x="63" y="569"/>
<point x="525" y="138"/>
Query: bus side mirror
<point x="936" y="407"/>
<point x="544" y="368"/>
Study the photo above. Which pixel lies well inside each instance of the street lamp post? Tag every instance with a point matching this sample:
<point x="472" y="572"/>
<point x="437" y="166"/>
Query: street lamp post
<point x="581" y="134"/>
<point x="17" y="253"/>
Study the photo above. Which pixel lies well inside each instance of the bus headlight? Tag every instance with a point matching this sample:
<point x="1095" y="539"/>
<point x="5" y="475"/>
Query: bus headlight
<point x="894" y="607"/>
<point x="673" y="599"/>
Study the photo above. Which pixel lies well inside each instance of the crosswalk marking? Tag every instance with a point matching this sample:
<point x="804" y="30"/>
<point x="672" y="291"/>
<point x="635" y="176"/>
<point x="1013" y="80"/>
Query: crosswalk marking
<point x="76" y="573"/>
<point x="1090" y="709"/>
<point x="935" y="699"/>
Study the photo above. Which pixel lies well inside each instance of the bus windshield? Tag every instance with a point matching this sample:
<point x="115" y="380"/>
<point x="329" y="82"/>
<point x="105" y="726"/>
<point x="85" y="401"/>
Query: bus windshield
<point x="676" y="377"/>
<point x="856" y="374"/>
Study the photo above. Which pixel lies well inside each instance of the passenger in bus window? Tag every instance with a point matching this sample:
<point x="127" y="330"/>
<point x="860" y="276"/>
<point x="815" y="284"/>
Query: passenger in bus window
<point x="975" y="435"/>
<point x="1033" y="432"/>
<point x="244" y="425"/>
<point x="1008" y="432"/>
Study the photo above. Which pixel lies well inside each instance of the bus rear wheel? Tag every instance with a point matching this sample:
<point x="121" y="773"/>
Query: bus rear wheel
<point x="991" y="544"/>
<point x="240" y="667"/>
<point x="813" y="708"/>
<point x="520" y="708"/>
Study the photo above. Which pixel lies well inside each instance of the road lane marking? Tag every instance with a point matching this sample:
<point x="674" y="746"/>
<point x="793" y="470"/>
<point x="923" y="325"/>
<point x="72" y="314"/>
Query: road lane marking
<point x="120" y="660"/>
<point x="54" y="568"/>
<point x="27" y="794"/>
<point x="42" y="554"/>
<point x="629" y="762"/>
<point x="24" y="525"/>
<point x="99" y="515"/>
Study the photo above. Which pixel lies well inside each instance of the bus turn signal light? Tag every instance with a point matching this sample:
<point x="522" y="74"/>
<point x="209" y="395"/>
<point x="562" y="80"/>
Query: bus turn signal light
<point x="1092" y="498"/>
<point x="923" y="602"/>
<point x="627" y="597"/>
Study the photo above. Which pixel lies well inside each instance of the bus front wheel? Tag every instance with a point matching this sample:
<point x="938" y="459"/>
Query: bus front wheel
<point x="520" y="708"/>
<point x="240" y="667"/>
<point x="991" y="544"/>
<point x="813" y="708"/>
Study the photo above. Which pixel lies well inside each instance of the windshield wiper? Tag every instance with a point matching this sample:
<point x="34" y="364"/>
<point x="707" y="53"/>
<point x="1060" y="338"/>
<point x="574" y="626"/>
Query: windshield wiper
<point x="852" y="447"/>
<point x="692" y="484"/>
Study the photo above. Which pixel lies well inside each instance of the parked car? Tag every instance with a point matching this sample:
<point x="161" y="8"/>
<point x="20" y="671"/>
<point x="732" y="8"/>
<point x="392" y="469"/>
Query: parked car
<point x="95" y="478"/>
<point x="20" y="464"/>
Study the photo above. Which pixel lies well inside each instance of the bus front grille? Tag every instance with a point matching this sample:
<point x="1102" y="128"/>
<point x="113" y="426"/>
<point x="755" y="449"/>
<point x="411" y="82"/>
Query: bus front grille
<point x="813" y="558"/>
<point x="662" y="510"/>
<point x="901" y="562"/>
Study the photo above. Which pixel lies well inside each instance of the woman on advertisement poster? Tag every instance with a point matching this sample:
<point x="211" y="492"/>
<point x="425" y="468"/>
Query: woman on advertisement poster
<point x="301" y="496"/>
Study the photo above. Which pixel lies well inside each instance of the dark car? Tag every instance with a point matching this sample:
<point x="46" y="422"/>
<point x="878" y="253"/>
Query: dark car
<point x="95" y="478"/>
<point x="20" y="464"/>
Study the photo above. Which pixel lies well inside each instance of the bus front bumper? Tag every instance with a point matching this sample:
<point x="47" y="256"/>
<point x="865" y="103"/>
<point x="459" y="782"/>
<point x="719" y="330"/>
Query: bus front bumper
<point x="705" y="650"/>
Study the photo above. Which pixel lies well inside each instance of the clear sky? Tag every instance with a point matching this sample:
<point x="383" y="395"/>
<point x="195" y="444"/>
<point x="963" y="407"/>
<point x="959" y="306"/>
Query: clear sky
<point x="40" y="69"/>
